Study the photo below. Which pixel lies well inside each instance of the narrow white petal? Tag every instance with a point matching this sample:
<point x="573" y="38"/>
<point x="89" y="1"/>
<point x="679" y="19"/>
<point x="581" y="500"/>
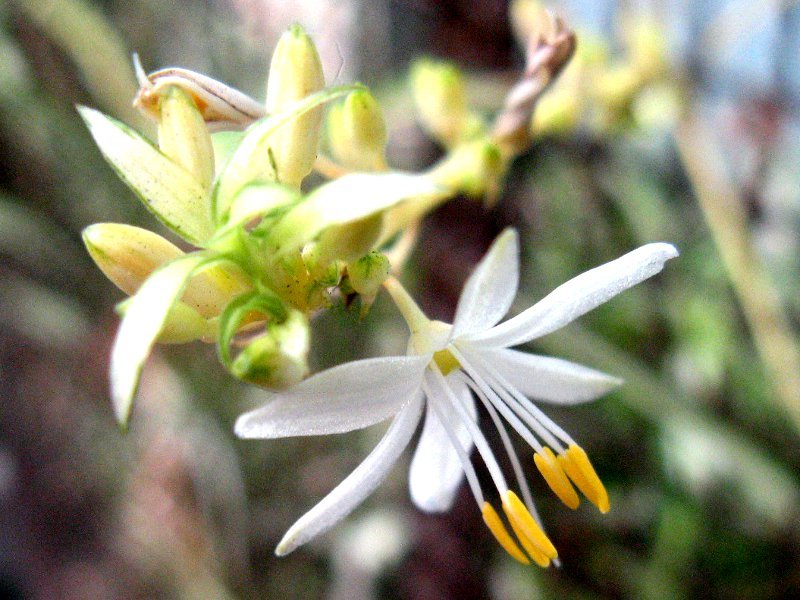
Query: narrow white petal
<point x="144" y="317"/>
<point x="579" y="295"/>
<point x="549" y="379"/>
<point x="436" y="470"/>
<point x="359" y="484"/>
<point x="491" y="288"/>
<point x="346" y="397"/>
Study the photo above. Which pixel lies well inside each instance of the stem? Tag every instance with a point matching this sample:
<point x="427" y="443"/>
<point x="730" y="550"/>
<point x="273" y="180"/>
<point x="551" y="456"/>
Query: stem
<point x="722" y="206"/>
<point x="411" y="312"/>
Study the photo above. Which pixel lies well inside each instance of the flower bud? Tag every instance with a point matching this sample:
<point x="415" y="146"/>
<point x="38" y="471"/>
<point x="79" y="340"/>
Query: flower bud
<point x="128" y="255"/>
<point x="357" y="133"/>
<point x="441" y="100"/>
<point x="183" y="135"/>
<point x="474" y="169"/>
<point x="367" y="275"/>
<point x="349" y="241"/>
<point x="557" y="112"/>
<point x="295" y="72"/>
<point x="278" y="358"/>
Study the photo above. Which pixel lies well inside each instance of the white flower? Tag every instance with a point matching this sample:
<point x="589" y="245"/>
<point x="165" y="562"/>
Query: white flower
<point x="447" y="366"/>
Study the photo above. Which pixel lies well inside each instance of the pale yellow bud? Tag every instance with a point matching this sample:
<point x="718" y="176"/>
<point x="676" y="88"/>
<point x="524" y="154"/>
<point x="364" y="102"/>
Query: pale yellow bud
<point x="184" y="137"/>
<point x="295" y="72"/>
<point x="349" y="241"/>
<point x="357" y="133"/>
<point x="441" y="100"/>
<point x="128" y="255"/>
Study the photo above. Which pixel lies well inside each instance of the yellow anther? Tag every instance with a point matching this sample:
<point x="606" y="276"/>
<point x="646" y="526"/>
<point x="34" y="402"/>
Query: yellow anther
<point x="518" y="514"/>
<point x="555" y="477"/>
<point x="446" y="362"/>
<point x="495" y="525"/>
<point x="576" y="464"/>
<point x="529" y="547"/>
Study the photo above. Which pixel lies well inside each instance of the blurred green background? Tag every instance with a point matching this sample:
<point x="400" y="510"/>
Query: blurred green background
<point x="699" y="449"/>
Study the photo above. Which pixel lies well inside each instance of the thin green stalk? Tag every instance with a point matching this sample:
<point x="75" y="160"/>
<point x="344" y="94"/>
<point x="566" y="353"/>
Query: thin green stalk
<point x="723" y="208"/>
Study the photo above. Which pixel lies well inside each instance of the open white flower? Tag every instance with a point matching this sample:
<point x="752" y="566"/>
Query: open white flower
<point x="447" y="366"/>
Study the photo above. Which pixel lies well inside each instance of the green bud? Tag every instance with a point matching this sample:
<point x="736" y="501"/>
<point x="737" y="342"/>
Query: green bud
<point x="475" y="169"/>
<point x="278" y="358"/>
<point x="441" y="101"/>
<point x="357" y="133"/>
<point x="295" y="72"/>
<point x="183" y="135"/>
<point x="368" y="273"/>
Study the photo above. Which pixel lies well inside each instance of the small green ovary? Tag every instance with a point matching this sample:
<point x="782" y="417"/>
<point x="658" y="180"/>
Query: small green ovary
<point x="446" y="362"/>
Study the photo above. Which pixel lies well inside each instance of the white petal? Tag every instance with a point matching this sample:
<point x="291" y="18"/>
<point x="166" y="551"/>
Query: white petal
<point x="579" y="295"/>
<point x="359" y="484"/>
<point x="436" y="470"/>
<point x="347" y="397"/>
<point x="144" y="318"/>
<point x="549" y="379"/>
<point x="491" y="288"/>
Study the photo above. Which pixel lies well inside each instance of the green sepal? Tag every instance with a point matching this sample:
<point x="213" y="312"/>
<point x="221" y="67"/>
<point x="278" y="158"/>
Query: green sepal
<point x="234" y="315"/>
<point x="168" y="190"/>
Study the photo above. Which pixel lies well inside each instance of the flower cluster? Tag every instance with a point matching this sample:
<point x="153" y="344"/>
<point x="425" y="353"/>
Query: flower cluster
<point x="227" y="176"/>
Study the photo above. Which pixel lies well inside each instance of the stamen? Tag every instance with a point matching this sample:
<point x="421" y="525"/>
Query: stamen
<point x="500" y="533"/>
<point x="498" y="403"/>
<point x="469" y="470"/>
<point x="517" y="513"/>
<point x="534" y="552"/>
<point x="522" y="483"/>
<point x="576" y="464"/>
<point x="481" y="444"/>
<point x="555" y="477"/>
<point x="536" y="418"/>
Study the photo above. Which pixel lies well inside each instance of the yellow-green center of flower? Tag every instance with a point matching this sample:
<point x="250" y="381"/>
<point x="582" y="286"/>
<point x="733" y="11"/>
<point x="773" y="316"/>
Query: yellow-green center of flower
<point x="446" y="362"/>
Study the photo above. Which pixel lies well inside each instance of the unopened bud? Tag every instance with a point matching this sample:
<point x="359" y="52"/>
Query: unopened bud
<point x="349" y="241"/>
<point x="368" y="273"/>
<point x="295" y="72"/>
<point x="127" y="255"/>
<point x="183" y="135"/>
<point x="441" y="100"/>
<point x="278" y="358"/>
<point x="357" y="133"/>
<point x="473" y="169"/>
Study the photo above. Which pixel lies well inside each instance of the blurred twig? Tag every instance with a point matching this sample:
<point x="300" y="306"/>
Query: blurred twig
<point x="724" y="210"/>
